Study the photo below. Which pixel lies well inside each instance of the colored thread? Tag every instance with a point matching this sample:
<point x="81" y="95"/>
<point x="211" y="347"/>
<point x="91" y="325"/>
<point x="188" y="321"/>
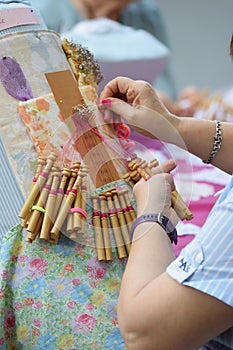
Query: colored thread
<point x="38" y="208"/>
<point x="79" y="210"/>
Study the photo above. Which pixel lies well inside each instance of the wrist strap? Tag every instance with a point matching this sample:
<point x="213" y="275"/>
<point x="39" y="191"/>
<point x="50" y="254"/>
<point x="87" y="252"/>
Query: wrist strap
<point x="162" y="220"/>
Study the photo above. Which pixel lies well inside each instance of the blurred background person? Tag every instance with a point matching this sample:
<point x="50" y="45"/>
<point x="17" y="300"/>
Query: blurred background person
<point x="62" y="16"/>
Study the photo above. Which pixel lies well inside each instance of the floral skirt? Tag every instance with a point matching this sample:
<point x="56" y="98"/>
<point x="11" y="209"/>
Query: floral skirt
<point x="57" y="296"/>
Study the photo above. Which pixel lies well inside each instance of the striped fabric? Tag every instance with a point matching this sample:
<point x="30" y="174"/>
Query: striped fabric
<point x="206" y="263"/>
<point x="11" y="198"/>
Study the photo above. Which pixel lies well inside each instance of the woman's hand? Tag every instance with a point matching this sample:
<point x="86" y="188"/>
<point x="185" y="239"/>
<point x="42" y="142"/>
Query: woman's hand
<point x="138" y="104"/>
<point x="154" y="195"/>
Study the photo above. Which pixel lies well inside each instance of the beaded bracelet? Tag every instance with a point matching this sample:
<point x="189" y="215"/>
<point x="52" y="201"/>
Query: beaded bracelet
<point x="217" y="142"/>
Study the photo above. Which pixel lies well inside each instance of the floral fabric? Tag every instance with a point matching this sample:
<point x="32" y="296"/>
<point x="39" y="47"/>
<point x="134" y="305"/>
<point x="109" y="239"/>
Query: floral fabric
<point x="57" y="296"/>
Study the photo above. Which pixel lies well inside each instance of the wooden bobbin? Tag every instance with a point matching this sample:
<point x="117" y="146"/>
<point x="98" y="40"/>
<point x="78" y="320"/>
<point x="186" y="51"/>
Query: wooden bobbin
<point x="79" y="219"/>
<point x="180" y="206"/>
<point x="37" y="187"/>
<point x="40" y="165"/>
<point x="115" y="227"/>
<point x="64" y="210"/>
<point x="49" y="215"/>
<point x="74" y="173"/>
<point x="99" y="240"/>
<point x="31" y="236"/>
<point x="123" y="224"/>
<point x="66" y="172"/>
<point x="128" y="179"/>
<point x="125" y="209"/>
<point x="129" y="204"/>
<point x="153" y="163"/>
<point x="105" y="227"/>
<point x="39" y="211"/>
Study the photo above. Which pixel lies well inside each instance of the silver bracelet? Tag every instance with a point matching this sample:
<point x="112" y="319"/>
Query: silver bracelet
<point x="217" y="142"/>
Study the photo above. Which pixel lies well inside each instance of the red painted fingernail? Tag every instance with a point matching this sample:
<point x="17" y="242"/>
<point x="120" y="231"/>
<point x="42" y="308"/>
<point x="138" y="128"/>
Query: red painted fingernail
<point x="106" y="102"/>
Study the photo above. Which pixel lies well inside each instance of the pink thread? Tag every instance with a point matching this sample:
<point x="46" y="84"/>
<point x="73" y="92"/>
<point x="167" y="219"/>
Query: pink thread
<point x="112" y="211"/>
<point x="84" y="188"/>
<point x="104" y="215"/>
<point x="96" y="213"/>
<point x="53" y="192"/>
<point x="47" y="187"/>
<point x="35" y="179"/>
<point x="60" y="190"/>
<point x="73" y="191"/>
<point x="44" y="174"/>
<point x="130" y="207"/>
<point x="79" y="210"/>
<point x="125" y="210"/>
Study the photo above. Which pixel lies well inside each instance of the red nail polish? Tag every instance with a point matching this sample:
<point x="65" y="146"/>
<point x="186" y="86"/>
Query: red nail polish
<point x="106" y="102"/>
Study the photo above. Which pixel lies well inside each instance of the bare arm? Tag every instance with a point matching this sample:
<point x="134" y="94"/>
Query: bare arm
<point x="138" y="104"/>
<point x="155" y="312"/>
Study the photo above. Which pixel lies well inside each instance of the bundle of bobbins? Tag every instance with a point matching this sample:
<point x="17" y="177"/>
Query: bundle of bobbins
<point x="139" y="168"/>
<point x="113" y="213"/>
<point x="56" y="202"/>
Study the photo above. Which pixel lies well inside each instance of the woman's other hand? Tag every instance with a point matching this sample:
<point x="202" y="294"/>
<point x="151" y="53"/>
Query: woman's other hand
<point x="138" y="104"/>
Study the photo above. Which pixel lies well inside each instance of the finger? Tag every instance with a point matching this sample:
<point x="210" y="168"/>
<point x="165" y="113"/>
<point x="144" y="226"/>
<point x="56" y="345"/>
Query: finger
<point x="165" y="167"/>
<point x="116" y="87"/>
<point x="118" y="107"/>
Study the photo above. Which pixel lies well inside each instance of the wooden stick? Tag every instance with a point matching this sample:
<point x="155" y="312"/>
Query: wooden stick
<point x="129" y="205"/>
<point x="49" y="215"/>
<point x="115" y="227"/>
<point x="99" y="241"/>
<point x="62" y="188"/>
<point x="69" y="219"/>
<point x="180" y="207"/>
<point x="40" y="164"/>
<point x="122" y="221"/>
<point x="105" y="227"/>
<point x="128" y="217"/>
<point x="37" y="187"/>
<point x="31" y="236"/>
<point x="39" y="207"/>
<point x="79" y="219"/>
<point x="178" y="203"/>
<point x="64" y="210"/>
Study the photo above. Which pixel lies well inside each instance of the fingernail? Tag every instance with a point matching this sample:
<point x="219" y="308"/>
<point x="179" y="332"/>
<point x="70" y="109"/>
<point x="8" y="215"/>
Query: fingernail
<point x="106" y="102"/>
